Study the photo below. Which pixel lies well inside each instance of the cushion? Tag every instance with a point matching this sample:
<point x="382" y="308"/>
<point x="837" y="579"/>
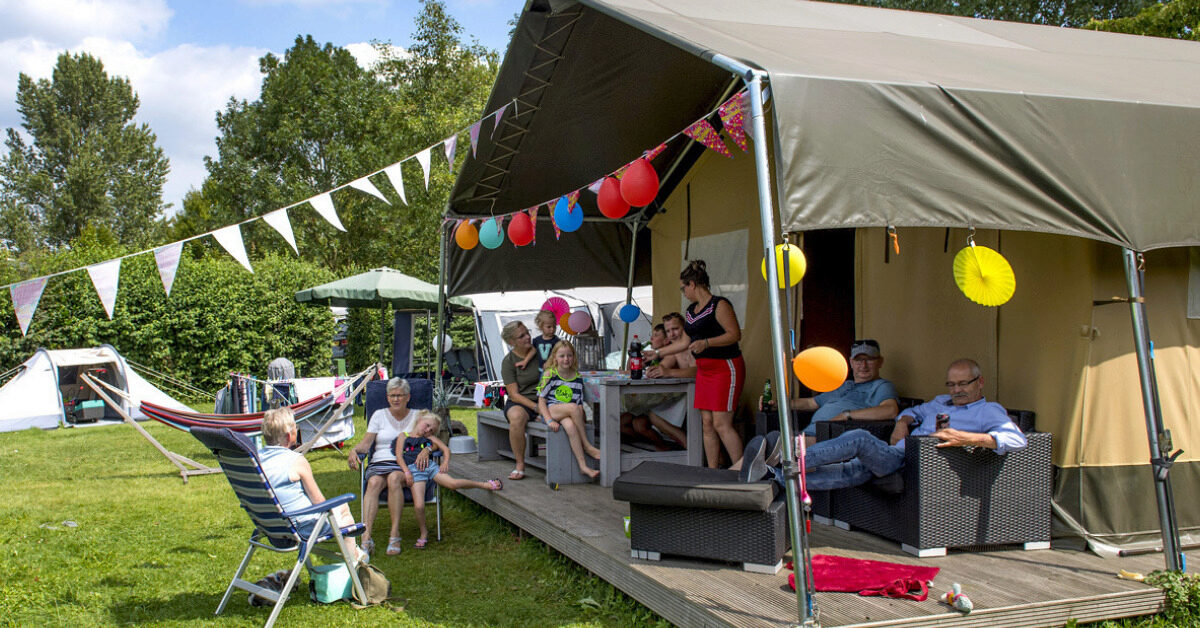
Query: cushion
<point x="670" y="484"/>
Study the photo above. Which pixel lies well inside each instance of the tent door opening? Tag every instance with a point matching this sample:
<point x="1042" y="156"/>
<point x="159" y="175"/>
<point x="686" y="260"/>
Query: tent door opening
<point x="80" y="402"/>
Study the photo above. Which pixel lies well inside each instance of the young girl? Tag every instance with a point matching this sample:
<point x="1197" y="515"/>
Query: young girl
<point x="543" y="344"/>
<point x="408" y="448"/>
<point x="560" y="402"/>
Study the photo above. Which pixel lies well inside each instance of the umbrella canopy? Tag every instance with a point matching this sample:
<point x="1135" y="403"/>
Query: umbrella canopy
<point x="379" y="285"/>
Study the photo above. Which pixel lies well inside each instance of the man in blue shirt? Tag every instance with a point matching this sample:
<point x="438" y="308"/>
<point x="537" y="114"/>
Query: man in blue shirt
<point x="865" y="396"/>
<point x="967" y="420"/>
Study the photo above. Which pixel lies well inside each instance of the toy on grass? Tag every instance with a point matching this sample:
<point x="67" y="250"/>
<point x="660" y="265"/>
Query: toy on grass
<point x="954" y="597"/>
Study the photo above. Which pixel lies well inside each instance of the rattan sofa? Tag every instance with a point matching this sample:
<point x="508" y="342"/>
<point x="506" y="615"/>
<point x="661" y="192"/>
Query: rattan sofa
<point x="951" y="497"/>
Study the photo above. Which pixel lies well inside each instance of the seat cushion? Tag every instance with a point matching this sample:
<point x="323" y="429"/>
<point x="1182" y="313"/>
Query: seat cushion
<point x="669" y="484"/>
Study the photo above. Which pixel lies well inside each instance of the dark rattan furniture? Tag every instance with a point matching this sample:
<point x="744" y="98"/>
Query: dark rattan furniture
<point x="705" y="513"/>
<point x="952" y="497"/>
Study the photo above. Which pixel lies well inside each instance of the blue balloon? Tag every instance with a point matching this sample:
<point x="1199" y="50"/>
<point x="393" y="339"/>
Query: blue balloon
<point x="567" y="220"/>
<point x="490" y="234"/>
<point x="629" y="313"/>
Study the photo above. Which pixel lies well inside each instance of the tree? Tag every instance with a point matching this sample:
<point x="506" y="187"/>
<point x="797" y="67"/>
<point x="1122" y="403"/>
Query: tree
<point x="86" y="162"/>
<point x="1177" y="19"/>
<point x="1073" y="13"/>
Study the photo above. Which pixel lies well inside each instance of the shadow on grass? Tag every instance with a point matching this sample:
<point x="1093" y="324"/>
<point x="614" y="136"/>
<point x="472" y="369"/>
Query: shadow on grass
<point x="184" y="606"/>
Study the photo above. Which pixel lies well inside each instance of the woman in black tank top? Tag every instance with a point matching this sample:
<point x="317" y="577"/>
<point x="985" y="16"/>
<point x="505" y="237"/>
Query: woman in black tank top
<point x="713" y="333"/>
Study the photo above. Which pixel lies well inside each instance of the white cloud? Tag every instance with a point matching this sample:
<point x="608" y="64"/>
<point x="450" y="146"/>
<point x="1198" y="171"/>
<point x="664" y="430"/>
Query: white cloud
<point x="72" y="20"/>
<point x="367" y="55"/>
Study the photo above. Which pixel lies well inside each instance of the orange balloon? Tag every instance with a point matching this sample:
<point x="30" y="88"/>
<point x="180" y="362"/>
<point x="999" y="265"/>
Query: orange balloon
<point x="467" y="236"/>
<point x="821" y="368"/>
<point x="563" y="323"/>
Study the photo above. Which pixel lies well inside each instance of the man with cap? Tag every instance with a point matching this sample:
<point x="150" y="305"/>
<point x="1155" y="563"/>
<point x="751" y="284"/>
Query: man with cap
<point x="865" y="396"/>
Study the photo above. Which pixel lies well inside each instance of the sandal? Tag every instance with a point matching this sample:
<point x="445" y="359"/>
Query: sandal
<point x="516" y="474"/>
<point x="420" y="544"/>
<point x="368" y="546"/>
<point x="393" y="547"/>
<point x="495" y="484"/>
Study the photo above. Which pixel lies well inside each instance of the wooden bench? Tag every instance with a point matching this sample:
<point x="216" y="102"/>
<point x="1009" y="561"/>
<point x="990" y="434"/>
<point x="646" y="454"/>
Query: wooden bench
<point x="556" y="460"/>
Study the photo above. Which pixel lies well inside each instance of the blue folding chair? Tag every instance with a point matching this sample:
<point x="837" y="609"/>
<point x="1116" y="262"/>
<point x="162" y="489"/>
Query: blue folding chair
<point x="421" y="398"/>
<point x="243" y="468"/>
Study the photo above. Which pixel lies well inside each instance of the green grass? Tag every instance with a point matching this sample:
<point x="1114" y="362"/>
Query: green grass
<point x="148" y="549"/>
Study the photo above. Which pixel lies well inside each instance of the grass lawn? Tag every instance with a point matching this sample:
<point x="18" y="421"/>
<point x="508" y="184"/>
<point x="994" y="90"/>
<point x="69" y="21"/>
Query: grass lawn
<point x="147" y="549"/>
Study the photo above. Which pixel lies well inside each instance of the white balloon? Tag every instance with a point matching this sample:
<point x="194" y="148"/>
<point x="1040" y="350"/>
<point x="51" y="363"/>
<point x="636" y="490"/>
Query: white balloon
<point x="446" y="344"/>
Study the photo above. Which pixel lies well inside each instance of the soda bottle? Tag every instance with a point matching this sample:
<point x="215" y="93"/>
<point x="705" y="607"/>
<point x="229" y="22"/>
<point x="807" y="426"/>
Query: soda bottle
<point x="635" y="358"/>
<point x="768" y="401"/>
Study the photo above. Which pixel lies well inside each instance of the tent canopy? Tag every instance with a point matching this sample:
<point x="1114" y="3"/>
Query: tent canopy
<point x="880" y="118"/>
<point x="378" y="285"/>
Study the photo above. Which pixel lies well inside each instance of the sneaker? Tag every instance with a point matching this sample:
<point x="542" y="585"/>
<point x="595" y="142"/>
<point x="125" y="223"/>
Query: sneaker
<point x="754" y="466"/>
<point x="774" y="449"/>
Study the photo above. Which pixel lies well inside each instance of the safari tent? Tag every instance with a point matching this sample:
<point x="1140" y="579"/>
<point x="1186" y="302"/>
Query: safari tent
<point x="39" y="393"/>
<point x="1075" y="154"/>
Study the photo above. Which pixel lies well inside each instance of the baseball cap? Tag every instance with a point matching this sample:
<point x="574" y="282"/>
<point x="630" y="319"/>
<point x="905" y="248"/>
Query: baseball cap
<point x="867" y="347"/>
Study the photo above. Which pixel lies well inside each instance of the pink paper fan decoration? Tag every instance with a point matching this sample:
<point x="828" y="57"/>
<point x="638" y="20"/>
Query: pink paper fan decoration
<point x="558" y="305"/>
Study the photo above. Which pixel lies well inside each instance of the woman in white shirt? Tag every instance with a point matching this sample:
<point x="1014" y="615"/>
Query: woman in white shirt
<point x="383" y="427"/>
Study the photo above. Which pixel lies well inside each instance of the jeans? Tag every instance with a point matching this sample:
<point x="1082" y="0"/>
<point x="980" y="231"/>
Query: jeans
<point x="849" y="460"/>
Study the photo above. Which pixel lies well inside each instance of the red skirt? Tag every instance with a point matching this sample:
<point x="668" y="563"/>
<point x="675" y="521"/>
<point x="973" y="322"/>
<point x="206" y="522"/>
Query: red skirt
<point x="719" y="383"/>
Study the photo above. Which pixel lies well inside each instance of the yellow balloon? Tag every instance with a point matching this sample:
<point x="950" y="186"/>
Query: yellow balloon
<point x="984" y="276"/>
<point x="796" y="265"/>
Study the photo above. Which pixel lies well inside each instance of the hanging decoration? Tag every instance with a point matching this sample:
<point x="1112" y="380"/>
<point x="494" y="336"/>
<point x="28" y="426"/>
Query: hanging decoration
<point x="365" y="186"/>
<point x="474" y="132"/>
<point x="278" y="220"/>
<point x="733" y="119"/>
<point x="564" y="323"/>
<point x="520" y="229"/>
<point x="567" y="218"/>
<point x="639" y="186"/>
<point x="610" y="201"/>
<point x="423" y="159"/>
<point x="445" y="343"/>
<point x="629" y="313"/>
<point x="450" y="145"/>
<point x="466" y="235"/>
<point x="105" y="277"/>
<point x="702" y="131"/>
<point x="653" y="152"/>
<point x="795" y="265"/>
<point x="491" y="234"/>
<point x="167" y="260"/>
<point x="557" y="305"/>
<point x="983" y="275"/>
<point x="580" y="321"/>
<point x="323" y="203"/>
<point x="396" y="177"/>
<point x="822" y="369"/>
<point x="496" y="119"/>
<point x="231" y="240"/>
<point x="533" y="212"/>
<point x="553" y="221"/>
<point x="25" y="297"/>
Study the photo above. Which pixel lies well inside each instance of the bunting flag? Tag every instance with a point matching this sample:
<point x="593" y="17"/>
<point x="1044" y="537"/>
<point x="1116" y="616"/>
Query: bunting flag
<point x="323" y="203"/>
<point x="365" y="186"/>
<point x="423" y="159"/>
<point x="450" y="144"/>
<point x="733" y="118"/>
<point x="703" y="132"/>
<point x="553" y="222"/>
<point x="105" y="277"/>
<point x="167" y="259"/>
<point x="231" y="239"/>
<point x="396" y="176"/>
<point x="572" y="199"/>
<point x="620" y="172"/>
<point x="25" y="297"/>
<point x="653" y="152"/>
<point x="594" y="186"/>
<point x="278" y="219"/>
<point x="474" y="137"/>
<point x="496" y="122"/>
<point x="533" y="212"/>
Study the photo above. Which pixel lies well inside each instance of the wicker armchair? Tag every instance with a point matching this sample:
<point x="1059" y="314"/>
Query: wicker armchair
<point x="952" y="497"/>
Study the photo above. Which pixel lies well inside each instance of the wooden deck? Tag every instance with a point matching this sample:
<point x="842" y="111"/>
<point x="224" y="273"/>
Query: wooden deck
<point x="1009" y="587"/>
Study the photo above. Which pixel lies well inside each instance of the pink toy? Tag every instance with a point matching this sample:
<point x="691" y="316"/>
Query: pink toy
<point x="954" y="597"/>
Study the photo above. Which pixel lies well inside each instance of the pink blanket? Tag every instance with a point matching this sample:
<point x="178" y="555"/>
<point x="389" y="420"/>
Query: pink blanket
<point x="869" y="577"/>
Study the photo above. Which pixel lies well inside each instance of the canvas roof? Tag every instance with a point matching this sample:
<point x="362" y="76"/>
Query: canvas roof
<point x="879" y="118"/>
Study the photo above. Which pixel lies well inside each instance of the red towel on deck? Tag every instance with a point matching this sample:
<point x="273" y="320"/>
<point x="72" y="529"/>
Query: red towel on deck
<point x="853" y="575"/>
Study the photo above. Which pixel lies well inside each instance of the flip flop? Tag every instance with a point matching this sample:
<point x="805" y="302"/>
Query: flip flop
<point x="516" y="474"/>
<point x="420" y="544"/>
<point x="495" y="484"/>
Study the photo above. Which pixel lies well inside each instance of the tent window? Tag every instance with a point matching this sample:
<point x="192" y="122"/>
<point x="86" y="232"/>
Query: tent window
<point x="1193" y="303"/>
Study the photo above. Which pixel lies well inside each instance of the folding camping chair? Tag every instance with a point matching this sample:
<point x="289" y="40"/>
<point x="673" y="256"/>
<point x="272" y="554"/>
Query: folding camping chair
<point x="421" y="391"/>
<point x="240" y="462"/>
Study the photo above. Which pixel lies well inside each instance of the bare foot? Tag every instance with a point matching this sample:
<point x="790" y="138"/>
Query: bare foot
<point x="594" y="452"/>
<point x="590" y="472"/>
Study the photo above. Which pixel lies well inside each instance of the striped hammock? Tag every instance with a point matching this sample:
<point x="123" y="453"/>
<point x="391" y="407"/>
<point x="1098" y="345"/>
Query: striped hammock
<point x="248" y="423"/>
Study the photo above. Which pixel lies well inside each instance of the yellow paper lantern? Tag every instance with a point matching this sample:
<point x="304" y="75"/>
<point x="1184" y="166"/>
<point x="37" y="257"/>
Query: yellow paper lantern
<point x="796" y="265"/>
<point x="984" y="276"/>
<point x="821" y="368"/>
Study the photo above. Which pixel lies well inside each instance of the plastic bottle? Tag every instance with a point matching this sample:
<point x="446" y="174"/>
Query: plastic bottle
<point x="635" y="358"/>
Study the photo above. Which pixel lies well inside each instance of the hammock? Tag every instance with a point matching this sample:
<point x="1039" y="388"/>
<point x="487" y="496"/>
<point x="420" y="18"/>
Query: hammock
<point x="248" y="423"/>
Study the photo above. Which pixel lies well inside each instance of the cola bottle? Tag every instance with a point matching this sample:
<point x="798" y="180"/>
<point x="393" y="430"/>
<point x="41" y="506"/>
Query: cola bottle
<point x="635" y="358"/>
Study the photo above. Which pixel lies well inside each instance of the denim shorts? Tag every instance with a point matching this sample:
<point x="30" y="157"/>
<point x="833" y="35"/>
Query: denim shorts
<point x="426" y="475"/>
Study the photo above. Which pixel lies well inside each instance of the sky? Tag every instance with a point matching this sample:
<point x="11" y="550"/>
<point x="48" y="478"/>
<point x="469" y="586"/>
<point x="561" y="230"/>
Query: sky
<point x="187" y="58"/>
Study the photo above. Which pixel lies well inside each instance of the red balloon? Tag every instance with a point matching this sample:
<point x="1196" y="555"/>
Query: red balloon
<point x="639" y="186"/>
<point x="609" y="199"/>
<point x="520" y="230"/>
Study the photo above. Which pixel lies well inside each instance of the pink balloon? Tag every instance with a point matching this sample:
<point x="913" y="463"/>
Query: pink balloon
<point x="558" y="305"/>
<point x="580" y="321"/>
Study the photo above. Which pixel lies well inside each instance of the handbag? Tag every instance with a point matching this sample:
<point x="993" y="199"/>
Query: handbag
<point x="375" y="584"/>
<point x="329" y="583"/>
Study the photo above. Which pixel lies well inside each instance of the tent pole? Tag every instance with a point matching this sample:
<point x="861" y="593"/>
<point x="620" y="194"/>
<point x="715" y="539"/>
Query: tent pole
<point x="637" y="225"/>
<point x="438" y="392"/>
<point x="1159" y="438"/>
<point x="766" y="211"/>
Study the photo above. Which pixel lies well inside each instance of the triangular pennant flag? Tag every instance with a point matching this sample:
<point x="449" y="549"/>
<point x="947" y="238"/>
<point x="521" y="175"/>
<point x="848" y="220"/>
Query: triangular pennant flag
<point x="733" y="118"/>
<point x="323" y="203"/>
<point x="553" y="221"/>
<point x="594" y="188"/>
<point x="167" y="259"/>
<point x="450" y="144"/>
<point x="499" y="114"/>
<point x="25" y="297"/>
<point x="653" y="152"/>
<point x="423" y="159"/>
<point x="231" y="239"/>
<point x="365" y="186"/>
<point x="279" y="220"/>
<point x="105" y="277"/>
<point x="533" y="212"/>
<point x="572" y="199"/>
<point x="621" y="171"/>
<point x="703" y="132"/>
<point x="474" y="137"/>
<point x="396" y="176"/>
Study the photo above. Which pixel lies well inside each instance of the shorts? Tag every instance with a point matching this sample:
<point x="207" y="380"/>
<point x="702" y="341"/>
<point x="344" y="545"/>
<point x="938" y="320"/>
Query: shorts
<point x="512" y="404"/>
<point x="424" y="476"/>
<point x="719" y="383"/>
<point x="384" y="468"/>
